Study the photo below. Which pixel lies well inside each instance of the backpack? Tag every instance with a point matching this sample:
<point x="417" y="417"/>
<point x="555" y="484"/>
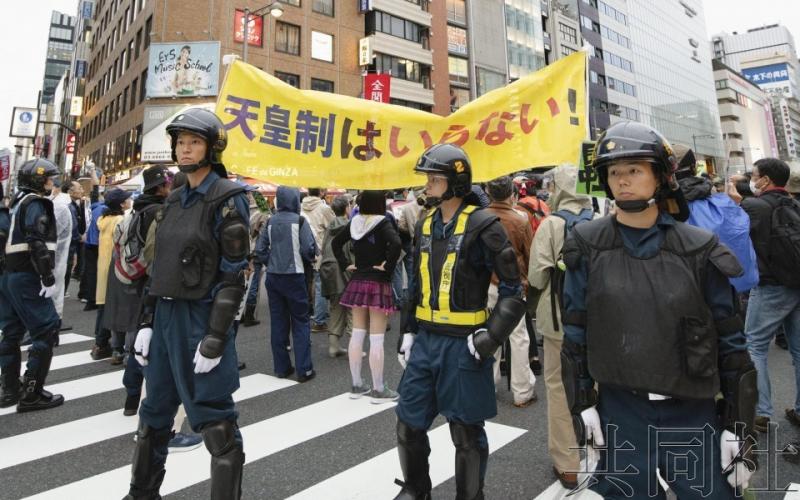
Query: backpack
<point x="559" y="271"/>
<point x="536" y="209"/>
<point x="129" y="241"/>
<point x="784" y="241"/>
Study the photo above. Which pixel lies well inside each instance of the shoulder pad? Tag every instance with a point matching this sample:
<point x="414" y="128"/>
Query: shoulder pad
<point x="597" y="233"/>
<point x="572" y="253"/>
<point x="687" y="240"/>
<point x="480" y="219"/>
<point x="175" y="194"/>
<point x="723" y="259"/>
<point x="222" y="189"/>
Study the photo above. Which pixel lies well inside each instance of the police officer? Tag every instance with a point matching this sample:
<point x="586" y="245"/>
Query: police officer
<point x="26" y="287"/>
<point x="649" y="317"/>
<point x="448" y="357"/>
<point x="196" y="287"/>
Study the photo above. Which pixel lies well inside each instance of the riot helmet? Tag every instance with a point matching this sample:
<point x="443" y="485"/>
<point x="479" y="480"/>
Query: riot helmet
<point x="450" y="161"/>
<point x="33" y="175"/>
<point x="203" y="123"/>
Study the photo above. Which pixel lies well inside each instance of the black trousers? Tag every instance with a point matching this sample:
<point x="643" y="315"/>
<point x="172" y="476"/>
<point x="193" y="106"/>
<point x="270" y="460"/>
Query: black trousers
<point x="89" y="281"/>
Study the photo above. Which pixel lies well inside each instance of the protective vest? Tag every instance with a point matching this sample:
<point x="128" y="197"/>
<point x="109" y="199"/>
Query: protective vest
<point x="17" y="250"/>
<point x="187" y="253"/>
<point x="451" y="291"/>
<point x="648" y="326"/>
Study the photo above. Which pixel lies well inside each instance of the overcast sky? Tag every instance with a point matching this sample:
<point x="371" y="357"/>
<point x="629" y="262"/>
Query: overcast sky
<point x="24" y="25"/>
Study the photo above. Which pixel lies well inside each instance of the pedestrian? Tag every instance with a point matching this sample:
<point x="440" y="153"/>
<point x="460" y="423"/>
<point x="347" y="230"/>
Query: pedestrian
<point x="108" y="343"/>
<point x="775" y="232"/>
<point x="258" y="220"/>
<point x="319" y="215"/>
<point x="333" y="279"/>
<point x="89" y="277"/>
<point x="544" y="276"/>
<point x="520" y="236"/>
<point x="376" y="250"/>
<point x="448" y="353"/>
<point x="61" y="202"/>
<point x="27" y="286"/>
<point x="286" y="245"/>
<point x="649" y="317"/>
<point x="77" y="208"/>
<point x="186" y="324"/>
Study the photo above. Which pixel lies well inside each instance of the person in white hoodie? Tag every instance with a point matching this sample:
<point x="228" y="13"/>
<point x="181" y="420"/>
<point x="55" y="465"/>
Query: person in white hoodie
<point x="61" y="202"/>
<point x="319" y="216"/>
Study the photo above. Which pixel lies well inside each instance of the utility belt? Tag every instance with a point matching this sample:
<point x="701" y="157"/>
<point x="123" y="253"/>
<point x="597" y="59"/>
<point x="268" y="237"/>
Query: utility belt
<point x="448" y="330"/>
<point x="469" y="319"/>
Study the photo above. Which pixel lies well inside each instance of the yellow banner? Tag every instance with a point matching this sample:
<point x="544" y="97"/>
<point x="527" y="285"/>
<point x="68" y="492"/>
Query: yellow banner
<point x="305" y="138"/>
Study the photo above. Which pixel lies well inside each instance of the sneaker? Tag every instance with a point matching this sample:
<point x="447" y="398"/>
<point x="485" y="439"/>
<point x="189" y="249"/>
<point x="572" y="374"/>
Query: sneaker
<point x="117" y="357"/>
<point x="316" y="328"/>
<point x="385" y="396"/>
<point x="309" y="375"/>
<point x="793" y="417"/>
<point x="67" y="295"/>
<point x="184" y="442"/>
<point x="84" y="301"/>
<point x="356" y="391"/>
<point x="526" y="403"/>
<point x="761" y="423"/>
<point x="99" y="353"/>
<point x="289" y="372"/>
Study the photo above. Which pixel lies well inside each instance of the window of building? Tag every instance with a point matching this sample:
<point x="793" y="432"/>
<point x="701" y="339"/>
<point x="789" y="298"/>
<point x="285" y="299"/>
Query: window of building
<point x="586" y="22"/>
<point x="565" y="50"/>
<point x="593" y="3"/>
<point x="459" y="70"/>
<point x="291" y="79"/>
<point x="489" y="80"/>
<point x="125" y="100"/>
<point x="296" y="3"/>
<point x="134" y="85"/>
<point x="721" y="84"/>
<point x="569" y="33"/>
<point x="127" y="18"/>
<point x="148" y="28"/>
<point x="404" y="69"/>
<point x="410" y="104"/>
<point x="396" y="26"/>
<point x="143" y="86"/>
<point x="457" y="40"/>
<point x="130" y="54"/>
<point x="138" y="43"/>
<point x="323" y="7"/>
<point x="321" y="85"/>
<point x="287" y="38"/>
<point x="458" y="97"/>
<point x="457" y="11"/>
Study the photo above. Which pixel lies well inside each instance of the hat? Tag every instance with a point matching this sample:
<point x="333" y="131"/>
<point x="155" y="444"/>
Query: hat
<point x="117" y="197"/>
<point x="154" y="176"/>
<point x="793" y="186"/>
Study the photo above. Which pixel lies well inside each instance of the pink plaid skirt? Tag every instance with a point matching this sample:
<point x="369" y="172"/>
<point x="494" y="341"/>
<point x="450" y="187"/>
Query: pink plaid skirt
<point x="371" y="294"/>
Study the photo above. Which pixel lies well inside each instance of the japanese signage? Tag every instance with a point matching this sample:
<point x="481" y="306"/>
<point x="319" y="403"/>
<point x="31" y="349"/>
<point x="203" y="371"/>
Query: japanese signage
<point x="5" y="164"/>
<point x="772" y="73"/>
<point x="86" y="9"/>
<point x="76" y="106"/>
<point x="377" y="87"/>
<point x="23" y="122"/>
<point x="156" y="145"/>
<point x="183" y="69"/>
<point x="300" y="138"/>
<point x="70" y="148"/>
<point x="321" y="46"/>
<point x="255" y="30"/>
<point x="364" y="52"/>
<point x="457" y="40"/>
<point x="364" y="6"/>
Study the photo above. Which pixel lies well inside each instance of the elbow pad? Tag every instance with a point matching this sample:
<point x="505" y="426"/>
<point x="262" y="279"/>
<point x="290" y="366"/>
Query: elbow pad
<point x="42" y="260"/>
<point x="578" y="384"/>
<point x="506" y="315"/>
<point x="505" y="265"/>
<point x="223" y="312"/>
<point x="739" y="390"/>
<point x="235" y="239"/>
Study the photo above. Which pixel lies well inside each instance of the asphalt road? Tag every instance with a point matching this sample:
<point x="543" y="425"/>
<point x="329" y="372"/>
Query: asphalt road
<point x="300" y="439"/>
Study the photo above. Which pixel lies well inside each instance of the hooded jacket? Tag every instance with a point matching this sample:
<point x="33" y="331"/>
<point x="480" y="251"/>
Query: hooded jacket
<point x="547" y="244"/>
<point x="333" y="279"/>
<point x="319" y="215"/>
<point x="286" y="242"/>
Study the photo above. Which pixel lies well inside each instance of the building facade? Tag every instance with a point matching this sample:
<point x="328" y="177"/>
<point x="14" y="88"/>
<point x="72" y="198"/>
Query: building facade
<point x="59" y="52"/>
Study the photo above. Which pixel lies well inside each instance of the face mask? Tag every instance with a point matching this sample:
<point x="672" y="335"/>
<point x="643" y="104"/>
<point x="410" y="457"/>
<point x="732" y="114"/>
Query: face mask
<point x="753" y="188"/>
<point x="635" y="206"/>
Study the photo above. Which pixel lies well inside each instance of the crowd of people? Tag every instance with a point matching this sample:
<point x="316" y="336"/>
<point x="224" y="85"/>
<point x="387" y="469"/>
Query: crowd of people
<point x="659" y="313"/>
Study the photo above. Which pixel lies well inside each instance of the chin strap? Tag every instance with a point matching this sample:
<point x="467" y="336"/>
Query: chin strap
<point x="635" y="206"/>
<point x="194" y="167"/>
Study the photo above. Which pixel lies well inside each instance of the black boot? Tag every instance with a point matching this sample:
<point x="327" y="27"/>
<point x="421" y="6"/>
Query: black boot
<point x="34" y="397"/>
<point x="149" y="457"/>
<point x="227" y="460"/>
<point x="414" y="449"/>
<point x="469" y="458"/>
<point x="249" y="316"/>
<point x="9" y="379"/>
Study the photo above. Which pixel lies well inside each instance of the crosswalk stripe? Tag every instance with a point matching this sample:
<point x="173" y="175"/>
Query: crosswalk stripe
<point x="261" y="439"/>
<point x="39" y="444"/>
<point x="69" y="360"/>
<point x="557" y="491"/>
<point x="383" y="469"/>
<point x="793" y="492"/>
<point x="82" y="387"/>
<point x="72" y="338"/>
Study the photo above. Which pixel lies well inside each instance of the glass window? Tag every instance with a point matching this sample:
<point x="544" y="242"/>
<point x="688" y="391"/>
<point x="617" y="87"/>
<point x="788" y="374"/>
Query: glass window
<point x="458" y="98"/>
<point x="459" y="70"/>
<point x="143" y="86"/>
<point x="323" y="7"/>
<point x="296" y="3"/>
<point x="489" y="80"/>
<point x="134" y="84"/>
<point x="148" y="28"/>
<point x="398" y="27"/>
<point x="457" y="11"/>
<point x="287" y="38"/>
<point x="321" y="85"/>
<point x="568" y="32"/>
<point x="291" y="79"/>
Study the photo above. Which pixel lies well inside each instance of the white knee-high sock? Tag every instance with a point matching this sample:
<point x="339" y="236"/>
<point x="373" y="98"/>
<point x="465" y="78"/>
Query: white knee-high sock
<point x="354" y="350"/>
<point x="376" y="361"/>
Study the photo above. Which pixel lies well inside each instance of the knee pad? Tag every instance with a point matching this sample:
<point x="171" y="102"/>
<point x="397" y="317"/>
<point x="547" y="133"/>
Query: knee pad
<point x="219" y="437"/>
<point x="9" y="349"/>
<point x="408" y="435"/>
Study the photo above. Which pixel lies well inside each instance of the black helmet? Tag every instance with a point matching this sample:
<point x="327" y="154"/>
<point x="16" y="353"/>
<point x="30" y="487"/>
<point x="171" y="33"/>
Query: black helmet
<point x="633" y="141"/>
<point x="202" y="122"/>
<point x="33" y="174"/>
<point x="451" y="161"/>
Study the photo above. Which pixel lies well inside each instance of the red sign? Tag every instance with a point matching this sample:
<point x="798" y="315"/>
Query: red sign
<point x="255" y="32"/>
<point x="377" y="87"/>
<point x="70" y="144"/>
<point x="5" y="167"/>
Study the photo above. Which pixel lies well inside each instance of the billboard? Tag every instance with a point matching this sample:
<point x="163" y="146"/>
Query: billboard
<point x="156" y="145"/>
<point x="183" y="69"/>
<point x="23" y="122"/>
<point x="255" y="30"/>
<point x="763" y="75"/>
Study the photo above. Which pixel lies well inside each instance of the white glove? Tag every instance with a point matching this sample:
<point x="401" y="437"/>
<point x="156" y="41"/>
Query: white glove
<point x="594" y="429"/>
<point x="203" y="364"/>
<point x="47" y="291"/>
<point x="739" y="473"/>
<point x="471" y="345"/>
<point x="141" y="346"/>
<point x="405" y="349"/>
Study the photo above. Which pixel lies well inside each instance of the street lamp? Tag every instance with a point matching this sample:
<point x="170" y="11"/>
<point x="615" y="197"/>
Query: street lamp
<point x="275" y="11"/>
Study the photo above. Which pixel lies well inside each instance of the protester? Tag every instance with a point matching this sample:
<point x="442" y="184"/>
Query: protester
<point x="77" y="208"/>
<point x="376" y="250"/>
<point x="319" y="215"/>
<point x="258" y="220"/>
<point x="334" y="280"/>
<point x="284" y="246"/>
<point x="520" y="235"/>
<point x="89" y="278"/>
<point x="61" y="202"/>
<point x="776" y="299"/>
